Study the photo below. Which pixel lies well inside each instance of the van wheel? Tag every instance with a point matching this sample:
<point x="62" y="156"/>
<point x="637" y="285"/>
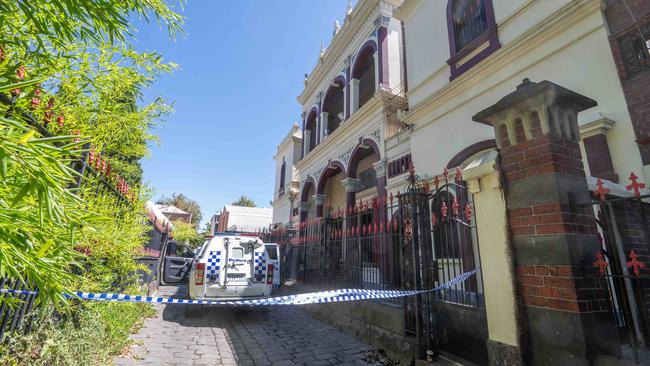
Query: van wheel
<point x="193" y="311"/>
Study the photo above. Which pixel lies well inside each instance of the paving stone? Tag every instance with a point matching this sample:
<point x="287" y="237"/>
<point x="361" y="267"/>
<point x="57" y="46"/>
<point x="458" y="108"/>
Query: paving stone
<point x="240" y="336"/>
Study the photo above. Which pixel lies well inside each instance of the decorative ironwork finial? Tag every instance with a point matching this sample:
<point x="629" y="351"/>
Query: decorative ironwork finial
<point x="601" y="191"/>
<point x="413" y="179"/>
<point x="636" y="186"/>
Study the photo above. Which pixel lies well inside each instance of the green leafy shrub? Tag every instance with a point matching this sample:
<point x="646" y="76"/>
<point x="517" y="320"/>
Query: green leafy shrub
<point x="90" y="335"/>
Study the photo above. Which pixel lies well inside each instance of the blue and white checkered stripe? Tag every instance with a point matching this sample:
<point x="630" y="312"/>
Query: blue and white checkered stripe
<point x="260" y="263"/>
<point x="214" y="261"/>
<point x="300" y="299"/>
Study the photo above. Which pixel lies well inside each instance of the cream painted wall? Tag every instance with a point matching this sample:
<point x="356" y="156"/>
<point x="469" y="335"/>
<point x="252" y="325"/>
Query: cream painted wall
<point x="496" y="269"/>
<point x="335" y="193"/>
<point x="577" y="58"/>
<point x="281" y="211"/>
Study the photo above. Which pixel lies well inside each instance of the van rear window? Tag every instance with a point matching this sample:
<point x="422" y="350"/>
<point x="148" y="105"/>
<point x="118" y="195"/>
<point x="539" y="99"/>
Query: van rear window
<point x="237" y="253"/>
<point x="272" y="250"/>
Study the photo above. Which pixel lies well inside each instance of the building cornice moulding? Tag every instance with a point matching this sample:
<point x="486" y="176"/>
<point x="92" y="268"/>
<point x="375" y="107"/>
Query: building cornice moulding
<point x="361" y="16"/>
<point x="599" y="126"/>
<point x="372" y="107"/>
<point x="554" y="25"/>
<point x="408" y="9"/>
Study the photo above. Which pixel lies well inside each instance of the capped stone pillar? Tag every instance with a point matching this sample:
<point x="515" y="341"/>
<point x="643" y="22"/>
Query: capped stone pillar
<point x="564" y="318"/>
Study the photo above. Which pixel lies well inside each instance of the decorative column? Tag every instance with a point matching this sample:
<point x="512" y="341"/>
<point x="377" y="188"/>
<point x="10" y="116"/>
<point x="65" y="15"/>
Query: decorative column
<point x="319" y="200"/>
<point x="351" y="186"/>
<point x="564" y="315"/>
<point x="354" y="95"/>
<point x="306" y="142"/>
<point x="324" y="117"/>
<point x="304" y="210"/>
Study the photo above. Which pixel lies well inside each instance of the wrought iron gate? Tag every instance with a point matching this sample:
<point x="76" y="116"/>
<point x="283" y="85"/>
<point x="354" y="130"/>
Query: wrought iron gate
<point x="623" y="228"/>
<point x="440" y="243"/>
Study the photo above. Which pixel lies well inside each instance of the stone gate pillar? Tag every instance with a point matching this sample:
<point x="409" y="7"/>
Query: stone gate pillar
<point x="563" y="317"/>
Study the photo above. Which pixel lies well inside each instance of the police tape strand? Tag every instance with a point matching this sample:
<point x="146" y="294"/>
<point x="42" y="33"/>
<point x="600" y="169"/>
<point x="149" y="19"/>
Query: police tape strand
<point x="298" y="299"/>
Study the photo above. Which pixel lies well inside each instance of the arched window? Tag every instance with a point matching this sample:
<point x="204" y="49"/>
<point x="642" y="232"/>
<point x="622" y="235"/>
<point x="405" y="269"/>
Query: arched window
<point x="635" y="52"/>
<point x="333" y="105"/>
<point x="283" y="170"/>
<point x="470" y="21"/>
<point x="311" y="132"/>
<point x="471" y="25"/>
<point x="364" y="73"/>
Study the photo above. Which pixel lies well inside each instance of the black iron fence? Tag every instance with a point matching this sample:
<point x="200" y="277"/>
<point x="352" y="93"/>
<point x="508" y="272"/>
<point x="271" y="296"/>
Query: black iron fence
<point x="413" y="240"/>
<point x="623" y="224"/>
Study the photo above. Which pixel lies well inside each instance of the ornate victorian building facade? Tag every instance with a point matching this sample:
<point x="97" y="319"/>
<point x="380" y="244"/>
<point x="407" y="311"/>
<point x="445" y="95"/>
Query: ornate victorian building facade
<point x="348" y="102"/>
<point x="527" y="105"/>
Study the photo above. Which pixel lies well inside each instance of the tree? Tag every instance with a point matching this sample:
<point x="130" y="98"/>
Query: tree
<point x="71" y="65"/>
<point x="186" y="233"/>
<point x="244" y="201"/>
<point x="188" y="205"/>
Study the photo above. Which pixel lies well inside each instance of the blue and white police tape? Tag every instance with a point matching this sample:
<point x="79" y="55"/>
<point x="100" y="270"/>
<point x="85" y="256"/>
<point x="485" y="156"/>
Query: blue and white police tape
<point x="299" y="299"/>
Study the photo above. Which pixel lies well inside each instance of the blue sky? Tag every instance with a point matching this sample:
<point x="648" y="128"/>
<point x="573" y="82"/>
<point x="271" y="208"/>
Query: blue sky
<point x="242" y="64"/>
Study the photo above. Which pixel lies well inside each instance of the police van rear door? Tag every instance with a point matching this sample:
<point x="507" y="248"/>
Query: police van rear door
<point x="273" y="253"/>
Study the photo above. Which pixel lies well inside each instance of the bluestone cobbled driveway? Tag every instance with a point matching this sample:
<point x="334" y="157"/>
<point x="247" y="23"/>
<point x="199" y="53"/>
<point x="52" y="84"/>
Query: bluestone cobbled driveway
<point x="280" y="335"/>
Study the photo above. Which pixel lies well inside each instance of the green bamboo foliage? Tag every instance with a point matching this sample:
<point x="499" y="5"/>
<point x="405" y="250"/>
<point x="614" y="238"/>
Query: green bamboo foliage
<point x="68" y="65"/>
<point x="39" y="215"/>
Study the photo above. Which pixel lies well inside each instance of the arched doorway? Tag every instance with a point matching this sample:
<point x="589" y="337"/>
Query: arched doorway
<point x="334" y="106"/>
<point x="307" y="201"/>
<point x="364" y="78"/>
<point x="331" y="189"/>
<point x="310" y="138"/>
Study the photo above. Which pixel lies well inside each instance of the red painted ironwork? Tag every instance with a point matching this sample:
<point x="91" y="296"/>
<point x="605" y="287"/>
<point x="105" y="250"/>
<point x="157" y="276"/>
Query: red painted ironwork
<point x="600" y="262"/>
<point x="635" y="264"/>
<point x="468" y="213"/>
<point x="455" y="207"/>
<point x="459" y="176"/>
<point x="445" y="173"/>
<point x="436" y="182"/>
<point x="434" y="219"/>
<point x="635" y="185"/>
<point x="411" y="168"/>
<point x="601" y="191"/>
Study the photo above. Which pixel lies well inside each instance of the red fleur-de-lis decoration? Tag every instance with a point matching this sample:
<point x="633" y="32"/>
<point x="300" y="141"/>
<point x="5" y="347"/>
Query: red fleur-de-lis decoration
<point x="411" y="168"/>
<point x="391" y="198"/>
<point x="91" y="157"/>
<point x="443" y="210"/>
<point x="600" y="262"/>
<point x="600" y="191"/>
<point x="455" y="207"/>
<point x="395" y="224"/>
<point x="636" y="186"/>
<point x="468" y="213"/>
<point x="375" y="227"/>
<point x="635" y="264"/>
<point x="459" y="176"/>
<point x="434" y="219"/>
<point x="108" y="169"/>
<point x="381" y="227"/>
<point x="445" y="173"/>
<point x="436" y="182"/>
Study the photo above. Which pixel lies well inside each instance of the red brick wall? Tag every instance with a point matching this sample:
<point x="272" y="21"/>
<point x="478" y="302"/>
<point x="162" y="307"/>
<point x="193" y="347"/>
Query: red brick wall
<point x="561" y="288"/>
<point x="541" y="155"/>
<point x="551" y="286"/>
<point x="636" y="88"/>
